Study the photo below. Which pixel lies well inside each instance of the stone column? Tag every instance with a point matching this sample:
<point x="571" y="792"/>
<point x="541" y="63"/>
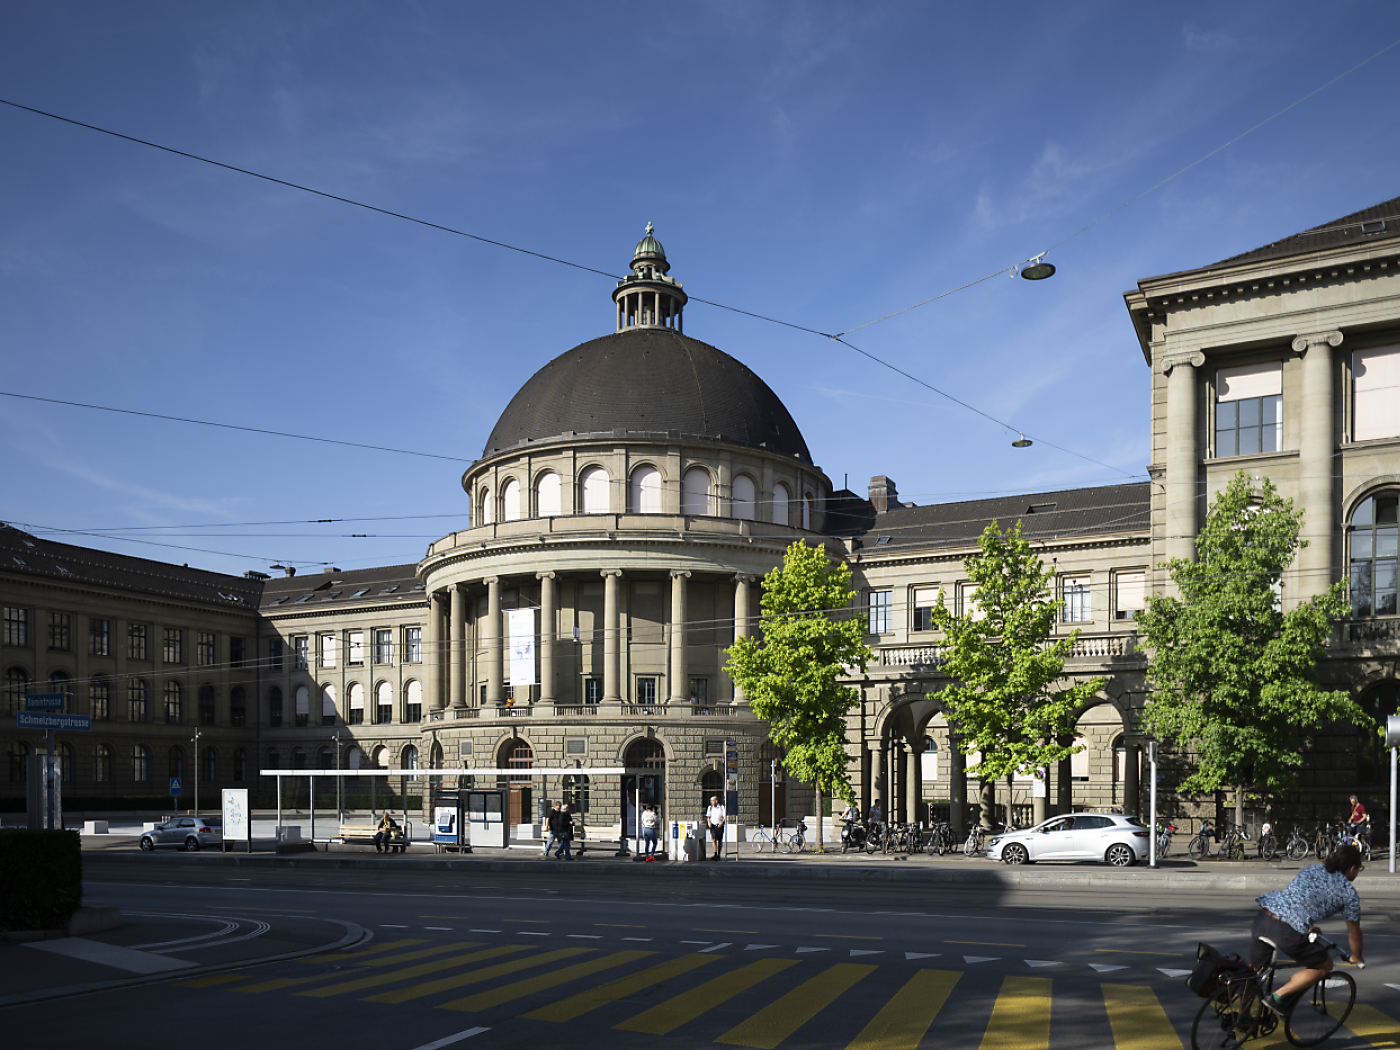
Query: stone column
<point x="547" y="632"/>
<point x="680" y="668"/>
<point x="914" y="792"/>
<point x="957" y="784"/>
<point x="1315" y="566"/>
<point x="1132" y="757"/>
<point x="741" y="619"/>
<point x="432" y="654"/>
<point x="457" y="646"/>
<point x="612" y="693"/>
<point x="1183" y="489"/>
<point x="491" y="642"/>
<point x="878" y="792"/>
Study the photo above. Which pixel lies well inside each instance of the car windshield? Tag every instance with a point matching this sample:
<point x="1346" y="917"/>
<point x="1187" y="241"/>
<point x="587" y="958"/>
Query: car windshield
<point x="214" y="822"/>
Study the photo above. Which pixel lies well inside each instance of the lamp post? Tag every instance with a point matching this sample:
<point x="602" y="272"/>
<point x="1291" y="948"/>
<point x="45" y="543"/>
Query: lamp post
<point x="339" y="783"/>
<point x="195" y="741"/>
<point x="1392" y="741"/>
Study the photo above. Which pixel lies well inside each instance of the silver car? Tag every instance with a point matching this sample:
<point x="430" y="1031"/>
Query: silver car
<point x="1108" y="837"/>
<point x="188" y="833"/>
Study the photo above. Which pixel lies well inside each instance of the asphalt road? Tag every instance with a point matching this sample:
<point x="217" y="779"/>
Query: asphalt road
<point x="568" y="958"/>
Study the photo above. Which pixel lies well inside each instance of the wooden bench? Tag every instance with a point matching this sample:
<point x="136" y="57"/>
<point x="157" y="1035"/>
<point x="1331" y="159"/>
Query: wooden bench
<point x="363" y="834"/>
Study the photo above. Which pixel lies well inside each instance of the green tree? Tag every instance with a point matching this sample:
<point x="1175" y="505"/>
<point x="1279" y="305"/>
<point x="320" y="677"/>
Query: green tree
<point x="1003" y="699"/>
<point x="790" y="674"/>
<point x="1234" y="673"/>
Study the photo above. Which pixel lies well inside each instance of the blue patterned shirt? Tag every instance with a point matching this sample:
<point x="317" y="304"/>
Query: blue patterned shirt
<point x="1313" y="896"/>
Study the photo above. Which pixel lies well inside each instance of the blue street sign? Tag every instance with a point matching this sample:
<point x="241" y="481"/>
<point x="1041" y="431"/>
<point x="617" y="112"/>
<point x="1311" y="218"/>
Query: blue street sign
<point x="174" y="785"/>
<point x="36" y="720"/>
<point x="44" y="702"/>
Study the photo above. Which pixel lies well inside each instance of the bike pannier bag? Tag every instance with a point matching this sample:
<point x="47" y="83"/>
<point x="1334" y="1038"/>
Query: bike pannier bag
<point x="1211" y="967"/>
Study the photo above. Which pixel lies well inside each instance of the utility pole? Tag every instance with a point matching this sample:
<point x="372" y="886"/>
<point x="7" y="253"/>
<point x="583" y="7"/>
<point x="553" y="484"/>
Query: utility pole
<point x="339" y="783"/>
<point x="195" y="741"/>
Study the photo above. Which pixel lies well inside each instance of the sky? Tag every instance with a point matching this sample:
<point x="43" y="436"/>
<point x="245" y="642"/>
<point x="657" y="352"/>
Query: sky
<point x="822" y="164"/>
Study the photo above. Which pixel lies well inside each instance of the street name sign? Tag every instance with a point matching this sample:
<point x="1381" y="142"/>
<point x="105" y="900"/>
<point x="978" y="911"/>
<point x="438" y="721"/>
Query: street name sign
<point x="57" y="720"/>
<point x="44" y="702"/>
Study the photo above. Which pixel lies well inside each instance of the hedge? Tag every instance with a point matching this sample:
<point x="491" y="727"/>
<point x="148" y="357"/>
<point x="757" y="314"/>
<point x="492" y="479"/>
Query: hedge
<point x="41" y="879"/>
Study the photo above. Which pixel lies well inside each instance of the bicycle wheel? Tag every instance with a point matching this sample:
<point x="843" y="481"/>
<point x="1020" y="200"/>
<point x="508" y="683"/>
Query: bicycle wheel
<point x="759" y="842"/>
<point x="1297" y="849"/>
<point x="1268" y="847"/>
<point x="796" y="842"/>
<point x="1319" y="1013"/>
<point x="1320" y="848"/>
<point x="1218" y="1025"/>
<point x="973" y="845"/>
<point x="872" y="841"/>
<point x="1197" y="848"/>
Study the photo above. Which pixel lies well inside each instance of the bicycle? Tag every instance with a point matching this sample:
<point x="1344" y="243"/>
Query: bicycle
<point x="1360" y="838"/>
<point x="972" y="845"/>
<point x="1164" y="840"/>
<point x="1298" y="847"/>
<point x="795" y="841"/>
<point x="1235" y="1012"/>
<point x="1199" y="846"/>
<point x="939" y="839"/>
<point x="1268" y="843"/>
<point x="1324" y="841"/>
<point x="875" y="837"/>
<point x="1232" y="844"/>
<point x="761" y="839"/>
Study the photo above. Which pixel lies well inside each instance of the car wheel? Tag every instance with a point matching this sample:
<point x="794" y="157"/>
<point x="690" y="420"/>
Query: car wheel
<point x="147" y="845"/>
<point x="1120" y="856"/>
<point x="1015" y="854"/>
<point x="191" y="845"/>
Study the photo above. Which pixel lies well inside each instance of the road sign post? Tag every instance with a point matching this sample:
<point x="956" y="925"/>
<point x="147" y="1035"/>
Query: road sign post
<point x="45" y="711"/>
<point x="1152" y="842"/>
<point x="1392" y="741"/>
<point x="175" y="793"/>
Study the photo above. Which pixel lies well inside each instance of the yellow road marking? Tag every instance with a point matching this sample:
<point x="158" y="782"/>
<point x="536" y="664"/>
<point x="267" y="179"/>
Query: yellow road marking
<point x="361" y="983"/>
<point x="988" y="944"/>
<point x="1378" y="1029"/>
<point x="358" y="953"/>
<point x="213" y="979"/>
<point x="421" y="953"/>
<point x="509" y="992"/>
<point x="1021" y="1016"/>
<point x="780" y="1019"/>
<point x="903" y="1022"/>
<point x="445" y="984"/>
<point x="668" y="1016"/>
<point x="1137" y="1018"/>
<point x="846" y="937"/>
<point x="584" y="1002"/>
<point x="1130" y="951"/>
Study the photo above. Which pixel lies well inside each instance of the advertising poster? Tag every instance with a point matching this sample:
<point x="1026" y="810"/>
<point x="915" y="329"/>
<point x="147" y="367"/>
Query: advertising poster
<point x="238" y="825"/>
<point x="521" y="623"/>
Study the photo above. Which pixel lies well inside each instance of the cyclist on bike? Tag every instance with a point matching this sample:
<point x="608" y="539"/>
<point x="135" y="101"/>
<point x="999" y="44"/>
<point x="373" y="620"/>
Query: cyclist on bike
<point x="876" y="814"/>
<point x="1288" y="915"/>
<point x="1356" y="823"/>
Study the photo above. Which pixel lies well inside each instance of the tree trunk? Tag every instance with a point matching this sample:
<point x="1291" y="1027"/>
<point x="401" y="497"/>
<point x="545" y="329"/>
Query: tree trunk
<point x="819" y="848"/>
<point x="1010" y="798"/>
<point x="988" y="791"/>
<point x="1239" y="806"/>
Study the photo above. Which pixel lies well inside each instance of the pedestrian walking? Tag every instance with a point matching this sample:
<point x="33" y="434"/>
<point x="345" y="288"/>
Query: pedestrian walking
<point x="714" y="818"/>
<point x="565" y="834"/>
<point x="551" y="837"/>
<point x="650" y="823"/>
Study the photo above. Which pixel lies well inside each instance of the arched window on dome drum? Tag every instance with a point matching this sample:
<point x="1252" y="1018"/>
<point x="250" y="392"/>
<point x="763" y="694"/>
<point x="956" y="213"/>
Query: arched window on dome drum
<point x="744" y="498"/>
<point x="1373" y="534"/>
<point x="594" y="487"/>
<point x="807" y="511"/>
<point x="547" y="502"/>
<point x="510" y="501"/>
<point x="780" y="503"/>
<point x="695" y="492"/>
<point x="646" y="491"/>
<point x="485" y="511"/>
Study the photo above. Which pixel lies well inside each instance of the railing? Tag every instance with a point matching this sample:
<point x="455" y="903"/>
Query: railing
<point x="575" y="710"/>
<point x="929" y="656"/>
<point x="722" y="711"/>
<point x="1103" y="646"/>
<point x="1364" y="632"/>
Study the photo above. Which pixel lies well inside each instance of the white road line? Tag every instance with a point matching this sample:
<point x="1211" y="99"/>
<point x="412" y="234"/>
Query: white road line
<point x="128" y="959"/>
<point x="449" y="1040"/>
<point x="437" y="927"/>
<point x="483" y="931"/>
<point x="1105" y="967"/>
<point x="529" y="933"/>
<point x="636" y="938"/>
<point x="717" y="947"/>
<point x="980" y="958"/>
<point x="697" y="942"/>
<point x="588" y="936"/>
<point x="1041" y="962"/>
<point x="391" y="926"/>
<point x="757" y="947"/>
<point x="801" y="950"/>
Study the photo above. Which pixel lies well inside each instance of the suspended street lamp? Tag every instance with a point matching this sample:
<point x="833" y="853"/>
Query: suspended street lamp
<point x="1038" y="269"/>
<point x="1022" y="442"/>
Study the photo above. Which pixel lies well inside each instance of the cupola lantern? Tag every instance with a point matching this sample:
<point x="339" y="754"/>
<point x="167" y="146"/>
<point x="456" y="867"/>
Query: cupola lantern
<point x="649" y="298"/>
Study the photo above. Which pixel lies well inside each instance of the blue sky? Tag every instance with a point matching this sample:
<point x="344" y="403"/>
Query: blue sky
<point x="822" y="163"/>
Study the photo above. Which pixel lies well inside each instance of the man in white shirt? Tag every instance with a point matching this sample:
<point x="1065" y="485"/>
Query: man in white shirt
<point x="714" y="817"/>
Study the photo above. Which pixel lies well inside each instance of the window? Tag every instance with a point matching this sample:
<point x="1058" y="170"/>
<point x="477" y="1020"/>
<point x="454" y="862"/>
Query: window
<point x="594" y="487"/>
<point x="67" y="762"/>
<point x="274" y="707"/>
<point x="274" y="654"/>
<point x="1131" y="588"/>
<point x="413" y="702"/>
<point x="592" y="690"/>
<point x="100" y="699"/>
<point x="60" y="631"/>
<point x="99" y="637"/>
<point x="141" y="764"/>
<point x="1249" y="409"/>
<point x="16" y="686"/>
<point x="646" y="690"/>
<point x="60" y="682"/>
<point x="16" y="626"/>
<point x="19" y="762"/>
<point x="206" y="649"/>
<point x="328" y="705"/>
<point x="357" y="704"/>
<point x="744" y="498"/>
<point x="1375" y="385"/>
<point x="575" y="791"/>
<point x="696" y="496"/>
<point x="967" y="601"/>
<point x="174" y="650"/>
<point x="330" y="650"/>
<point x="240" y="766"/>
<point x="646" y="491"/>
<point x="410" y="759"/>
<point x="174" y="703"/>
<point x="136" y="641"/>
<point x="510" y="501"/>
<point x="384" y="704"/>
<point x="137" y="693"/>
<point x="238" y="652"/>
<point x="237" y="707"/>
<point x="1373" y="556"/>
<point x="384" y="646"/>
<point x="356" y="652"/>
<point x="781" y="497"/>
<point x="274" y="759"/>
<point x="413" y="645"/>
<point x="208" y="705"/>
<point x="807" y="511"/>
<point x="547" y="495"/>
<point x="302" y="653"/>
<point x="700" y="691"/>
<point x="925" y="598"/>
<point x="211" y="765"/>
<point x="1079" y="761"/>
<point x="175" y="763"/>
<point x="1076" y="598"/>
<point x="102" y="764"/>
<point x="303" y="706"/>
<point x="485" y="516"/>
<point x="880" y="605"/>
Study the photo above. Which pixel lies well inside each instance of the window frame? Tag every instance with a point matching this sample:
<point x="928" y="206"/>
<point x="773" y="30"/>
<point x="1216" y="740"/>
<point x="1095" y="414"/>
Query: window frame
<point x="1077" y="589"/>
<point x="16" y="626"/>
<point x="60" y="632"/>
<point x="99" y="636"/>
<point x="879" y="611"/>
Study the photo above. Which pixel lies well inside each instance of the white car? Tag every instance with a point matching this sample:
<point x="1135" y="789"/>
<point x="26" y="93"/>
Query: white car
<point x="1108" y="837"/>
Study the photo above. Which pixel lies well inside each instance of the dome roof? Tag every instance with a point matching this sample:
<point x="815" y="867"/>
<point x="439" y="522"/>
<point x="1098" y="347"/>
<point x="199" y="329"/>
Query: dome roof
<point x="648" y="379"/>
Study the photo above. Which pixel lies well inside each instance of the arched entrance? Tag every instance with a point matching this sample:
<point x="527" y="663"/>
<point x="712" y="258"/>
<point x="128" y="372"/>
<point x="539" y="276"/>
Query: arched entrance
<point x="645" y="760"/>
<point x="518" y="754"/>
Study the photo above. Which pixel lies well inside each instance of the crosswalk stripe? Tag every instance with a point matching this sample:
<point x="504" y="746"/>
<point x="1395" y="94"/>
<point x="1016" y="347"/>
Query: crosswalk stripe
<point x="358" y="953"/>
<point x="421" y="953"/>
<point x="674" y="1012"/>
<point x="781" y="1018"/>
<point x="1021" y="1016"/>
<point x="903" y="1022"/>
<point x="408" y="972"/>
<point x="584" y="1002"/>
<point x="1378" y="1029"/>
<point x="213" y="979"/>
<point x="461" y="980"/>
<point x="531" y="985"/>
<point x="1137" y="1018"/>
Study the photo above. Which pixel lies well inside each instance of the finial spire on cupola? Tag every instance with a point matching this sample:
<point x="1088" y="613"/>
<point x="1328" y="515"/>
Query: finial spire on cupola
<point x="648" y="298"/>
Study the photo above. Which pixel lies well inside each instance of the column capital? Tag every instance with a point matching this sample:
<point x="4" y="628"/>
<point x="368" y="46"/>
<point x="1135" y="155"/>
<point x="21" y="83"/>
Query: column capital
<point x="489" y="580"/>
<point x="746" y="577"/>
<point x="1194" y="358"/>
<point x="610" y="572"/>
<point x="550" y="575"/>
<point x="680" y="574"/>
<point x="1303" y="343"/>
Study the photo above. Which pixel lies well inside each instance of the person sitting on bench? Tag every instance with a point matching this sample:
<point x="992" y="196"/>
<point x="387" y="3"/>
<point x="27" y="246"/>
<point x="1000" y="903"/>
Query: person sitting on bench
<point x="388" y="831"/>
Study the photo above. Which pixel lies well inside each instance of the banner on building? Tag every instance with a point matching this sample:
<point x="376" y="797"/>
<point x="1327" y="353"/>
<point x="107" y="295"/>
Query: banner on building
<point x="521" y="623"/>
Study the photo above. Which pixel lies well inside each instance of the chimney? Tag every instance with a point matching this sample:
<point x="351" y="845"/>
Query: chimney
<point x="883" y="494"/>
<point x="291" y="570"/>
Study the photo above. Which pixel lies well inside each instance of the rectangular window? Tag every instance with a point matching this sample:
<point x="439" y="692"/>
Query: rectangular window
<point x="482" y="701"/>
<point x="646" y="690"/>
<point x="1375" y="393"/>
<point x="384" y="646"/>
<point x="136" y="700"/>
<point x="100" y="692"/>
<point x="60" y="631"/>
<point x="925" y="598"/>
<point x="207" y="712"/>
<point x="174" y="650"/>
<point x="16" y="626"/>
<point x="274" y="654"/>
<point x="330" y="650"/>
<point x="1079" y="762"/>
<point x="99" y="637"/>
<point x="356" y="649"/>
<point x="383" y="713"/>
<point x="206" y="651"/>
<point x="302" y="652"/>
<point x="880" y="605"/>
<point x="592" y="691"/>
<point x="1249" y="409"/>
<point x="700" y="691"/>
<point x="413" y="709"/>
<point x="1076" y="598"/>
<point x="413" y="644"/>
<point x="967" y="601"/>
<point x="1131" y="598"/>
<point x="136" y="641"/>
<point x="238" y="653"/>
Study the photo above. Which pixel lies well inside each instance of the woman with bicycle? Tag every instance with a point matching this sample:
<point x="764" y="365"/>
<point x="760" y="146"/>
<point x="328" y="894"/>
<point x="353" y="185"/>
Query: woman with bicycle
<point x="1288" y="915"/>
